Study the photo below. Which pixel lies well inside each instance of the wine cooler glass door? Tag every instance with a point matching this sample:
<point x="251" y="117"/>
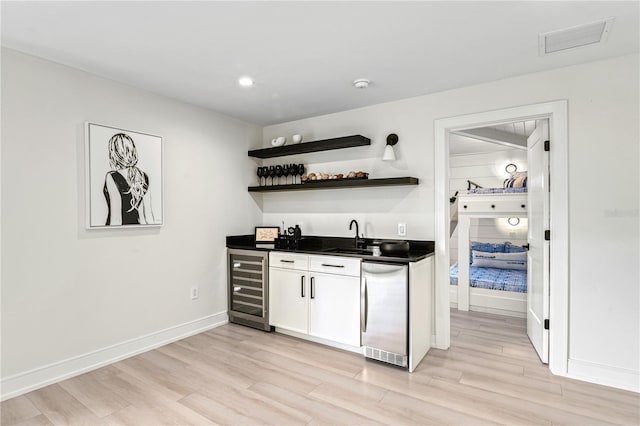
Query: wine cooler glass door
<point x="246" y="282"/>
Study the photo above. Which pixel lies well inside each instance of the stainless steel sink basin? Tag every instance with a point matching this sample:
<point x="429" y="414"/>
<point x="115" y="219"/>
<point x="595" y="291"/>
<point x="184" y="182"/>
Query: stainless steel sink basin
<point x="365" y="252"/>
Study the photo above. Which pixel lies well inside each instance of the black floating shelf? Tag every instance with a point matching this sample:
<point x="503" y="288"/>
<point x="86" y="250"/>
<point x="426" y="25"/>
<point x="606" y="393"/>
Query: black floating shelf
<point x="313" y="146"/>
<point x="338" y="183"/>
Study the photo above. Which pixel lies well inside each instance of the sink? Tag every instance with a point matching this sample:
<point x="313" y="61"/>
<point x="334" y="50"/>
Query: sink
<point x="351" y="251"/>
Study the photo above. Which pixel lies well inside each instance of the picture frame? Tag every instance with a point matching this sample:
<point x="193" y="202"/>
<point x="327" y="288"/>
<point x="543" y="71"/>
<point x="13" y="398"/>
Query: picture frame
<point x="266" y="236"/>
<point x="124" y="178"/>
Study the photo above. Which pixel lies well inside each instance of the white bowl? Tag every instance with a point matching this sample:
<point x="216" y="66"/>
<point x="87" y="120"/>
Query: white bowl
<point x="279" y="141"/>
<point x="296" y="138"/>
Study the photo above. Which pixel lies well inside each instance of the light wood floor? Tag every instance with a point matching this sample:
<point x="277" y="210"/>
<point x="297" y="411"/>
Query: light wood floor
<point x="239" y="376"/>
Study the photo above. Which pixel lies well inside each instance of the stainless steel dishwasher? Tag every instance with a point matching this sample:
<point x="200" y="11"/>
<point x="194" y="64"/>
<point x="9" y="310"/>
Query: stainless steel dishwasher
<point x="384" y="317"/>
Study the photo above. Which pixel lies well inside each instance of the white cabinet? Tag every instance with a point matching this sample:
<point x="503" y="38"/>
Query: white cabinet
<point x="335" y="265"/>
<point x="299" y="262"/>
<point x="322" y="301"/>
<point x="288" y="301"/>
<point x="421" y="276"/>
<point x="334" y="308"/>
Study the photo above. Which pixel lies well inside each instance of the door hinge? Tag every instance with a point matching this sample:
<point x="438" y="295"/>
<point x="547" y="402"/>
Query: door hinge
<point x="546" y="324"/>
<point x="547" y="235"/>
<point x="546" y="146"/>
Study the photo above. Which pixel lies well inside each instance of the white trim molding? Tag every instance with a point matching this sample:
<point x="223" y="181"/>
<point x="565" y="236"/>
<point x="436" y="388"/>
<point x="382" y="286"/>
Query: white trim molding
<point x="37" y="378"/>
<point x="606" y="375"/>
<point x="556" y="112"/>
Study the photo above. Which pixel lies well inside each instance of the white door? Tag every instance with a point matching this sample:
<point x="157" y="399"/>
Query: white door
<point x="538" y="255"/>
<point x="288" y="299"/>
<point x="334" y="308"/>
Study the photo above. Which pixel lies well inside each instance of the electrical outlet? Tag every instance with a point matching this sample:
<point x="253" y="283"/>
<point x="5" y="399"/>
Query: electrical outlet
<point x="402" y="229"/>
<point x="195" y="293"/>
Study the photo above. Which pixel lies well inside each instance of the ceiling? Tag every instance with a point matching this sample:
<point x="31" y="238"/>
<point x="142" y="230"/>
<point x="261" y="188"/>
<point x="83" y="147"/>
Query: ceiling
<point x="304" y="55"/>
<point x="491" y="138"/>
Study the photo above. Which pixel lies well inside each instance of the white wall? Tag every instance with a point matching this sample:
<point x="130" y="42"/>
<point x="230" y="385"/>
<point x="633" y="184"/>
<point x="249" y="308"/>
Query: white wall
<point x="377" y="210"/>
<point x="486" y="169"/>
<point x="603" y="154"/>
<point x="67" y="291"/>
<point x="490" y="230"/>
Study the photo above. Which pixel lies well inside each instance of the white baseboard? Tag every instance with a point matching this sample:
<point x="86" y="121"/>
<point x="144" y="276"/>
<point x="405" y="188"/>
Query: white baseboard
<point x="435" y="342"/>
<point x="37" y="378"/>
<point x="607" y="375"/>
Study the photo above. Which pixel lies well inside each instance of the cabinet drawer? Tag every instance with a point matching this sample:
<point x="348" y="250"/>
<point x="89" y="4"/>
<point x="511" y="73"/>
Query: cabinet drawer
<point x="299" y="262"/>
<point x="515" y="205"/>
<point x="335" y="265"/>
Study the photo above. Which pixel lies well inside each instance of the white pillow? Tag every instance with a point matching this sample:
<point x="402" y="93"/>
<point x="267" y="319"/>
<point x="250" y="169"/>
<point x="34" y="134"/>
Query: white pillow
<point x="500" y="260"/>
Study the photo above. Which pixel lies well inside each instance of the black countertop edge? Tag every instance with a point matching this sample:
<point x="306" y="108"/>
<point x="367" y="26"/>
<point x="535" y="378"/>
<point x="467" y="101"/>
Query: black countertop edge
<point x="318" y="245"/>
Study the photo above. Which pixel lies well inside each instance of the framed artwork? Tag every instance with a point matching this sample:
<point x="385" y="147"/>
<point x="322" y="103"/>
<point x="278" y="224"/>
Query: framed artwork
<point x="266" y="236"/>
<point x="124" y="178"/>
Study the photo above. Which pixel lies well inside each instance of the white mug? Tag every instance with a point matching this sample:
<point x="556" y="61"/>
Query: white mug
<point x="296" y="138"/>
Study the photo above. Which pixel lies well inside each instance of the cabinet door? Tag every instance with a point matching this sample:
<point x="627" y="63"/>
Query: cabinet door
<point x="288" y="299"/>
<point x="334" y="308"/>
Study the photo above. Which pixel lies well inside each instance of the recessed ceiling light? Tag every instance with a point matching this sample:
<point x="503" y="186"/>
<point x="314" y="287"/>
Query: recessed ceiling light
<point x="245" y="81"/>
<point x="361" y="83"/>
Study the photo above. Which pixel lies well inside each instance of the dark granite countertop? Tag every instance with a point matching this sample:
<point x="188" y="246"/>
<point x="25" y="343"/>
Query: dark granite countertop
<point x="336" y="246"/>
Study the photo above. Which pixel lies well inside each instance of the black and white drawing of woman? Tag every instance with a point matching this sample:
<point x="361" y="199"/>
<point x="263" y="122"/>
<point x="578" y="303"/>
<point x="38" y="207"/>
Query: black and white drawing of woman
<point x="126" y="187"/>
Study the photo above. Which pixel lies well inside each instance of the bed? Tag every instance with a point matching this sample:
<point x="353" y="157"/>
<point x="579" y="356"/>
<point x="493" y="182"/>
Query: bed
<point x="496" y="290"/>
<point x="493" y="278"/>
<point x="481" y="288"/>
<point x="492" y="290"/>
<point x="498" y="190"/>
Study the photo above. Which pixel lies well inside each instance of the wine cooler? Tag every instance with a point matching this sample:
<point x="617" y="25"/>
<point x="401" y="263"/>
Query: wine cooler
<point x="248" y="276"/>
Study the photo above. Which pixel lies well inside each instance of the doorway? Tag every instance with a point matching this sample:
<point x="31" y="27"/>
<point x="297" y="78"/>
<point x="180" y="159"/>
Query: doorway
<point x="556" y="114"/>
<point x="497" y="259"/>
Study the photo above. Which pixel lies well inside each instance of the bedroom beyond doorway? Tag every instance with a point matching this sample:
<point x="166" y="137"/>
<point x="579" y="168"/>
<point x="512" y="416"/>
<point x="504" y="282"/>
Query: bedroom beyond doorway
<point x="489" y="206"/>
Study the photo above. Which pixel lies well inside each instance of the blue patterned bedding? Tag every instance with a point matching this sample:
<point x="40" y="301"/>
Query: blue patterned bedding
<point x="498" y="190"/>
<point x="493" y="278"/>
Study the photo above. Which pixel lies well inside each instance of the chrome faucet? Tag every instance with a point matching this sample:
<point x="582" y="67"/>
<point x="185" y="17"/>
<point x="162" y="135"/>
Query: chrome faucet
<point x="358" y="241"/>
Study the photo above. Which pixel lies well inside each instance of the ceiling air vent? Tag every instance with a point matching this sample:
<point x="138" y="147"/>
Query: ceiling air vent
<point x="571" y="38"/>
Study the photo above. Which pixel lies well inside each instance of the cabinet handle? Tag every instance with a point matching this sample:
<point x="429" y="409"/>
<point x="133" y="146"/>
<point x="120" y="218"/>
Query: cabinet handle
<point x="363" y="306"/>
<point x="332" y="266"/>
<point x="493" y="206"/>
<point x="465" y="206"/>
<point x="302" y="286"/>
<point x="523" y="206"/>
<point x="313" y="287"/>
<point x="286" y="261"/>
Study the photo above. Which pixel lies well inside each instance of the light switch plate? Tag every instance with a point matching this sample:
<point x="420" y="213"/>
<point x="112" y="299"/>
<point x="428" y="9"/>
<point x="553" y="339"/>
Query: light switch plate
<point x="402" y="229"/>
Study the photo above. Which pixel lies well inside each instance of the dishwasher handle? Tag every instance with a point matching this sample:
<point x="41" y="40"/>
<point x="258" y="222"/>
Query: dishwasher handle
<point x="364" y="308"/>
